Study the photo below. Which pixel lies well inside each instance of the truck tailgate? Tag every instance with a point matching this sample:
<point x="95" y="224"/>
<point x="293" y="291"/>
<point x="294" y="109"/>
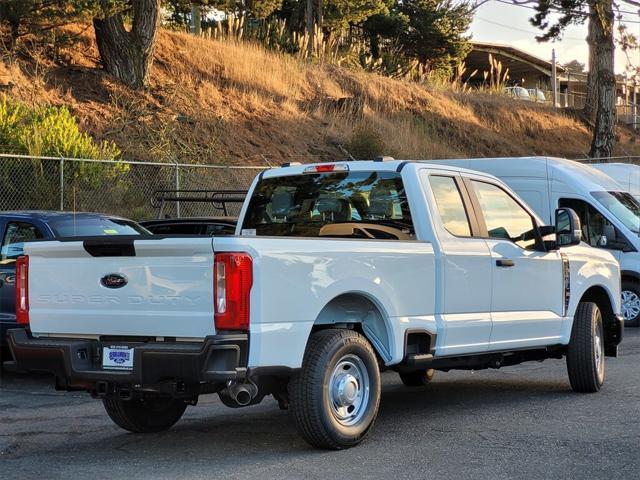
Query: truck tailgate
<point x="167" y="289"/>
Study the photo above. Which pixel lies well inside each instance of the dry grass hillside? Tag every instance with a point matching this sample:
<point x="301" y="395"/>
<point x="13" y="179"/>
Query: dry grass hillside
<point x="224" y="102"/>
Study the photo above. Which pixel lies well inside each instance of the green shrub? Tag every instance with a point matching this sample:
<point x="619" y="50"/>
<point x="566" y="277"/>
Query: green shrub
<point x="50" y="132"/>
<point x="47" y="131"/>
<point x="11" y="122"/>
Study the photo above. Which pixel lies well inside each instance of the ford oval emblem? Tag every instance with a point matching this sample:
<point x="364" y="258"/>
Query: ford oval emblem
<point x="114" y="280"/>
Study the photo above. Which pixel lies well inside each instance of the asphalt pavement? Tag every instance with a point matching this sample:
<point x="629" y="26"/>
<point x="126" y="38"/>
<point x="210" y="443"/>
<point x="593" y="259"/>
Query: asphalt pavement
<point x="517" y="422"/>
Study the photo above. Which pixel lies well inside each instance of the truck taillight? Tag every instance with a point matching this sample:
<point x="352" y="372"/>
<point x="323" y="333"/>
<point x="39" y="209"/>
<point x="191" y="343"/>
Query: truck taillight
<point x="232" y="280"/>
<point x="22" y="290"/>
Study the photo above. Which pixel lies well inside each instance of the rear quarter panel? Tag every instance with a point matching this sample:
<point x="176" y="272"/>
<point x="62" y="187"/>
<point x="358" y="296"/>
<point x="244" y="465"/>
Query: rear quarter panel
<point x="295" y="278"/>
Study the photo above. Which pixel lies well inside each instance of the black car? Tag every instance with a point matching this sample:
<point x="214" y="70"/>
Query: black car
<point x="226" y="202"/>
<point x="19" y="227"/>
<point x="206" y="226"/>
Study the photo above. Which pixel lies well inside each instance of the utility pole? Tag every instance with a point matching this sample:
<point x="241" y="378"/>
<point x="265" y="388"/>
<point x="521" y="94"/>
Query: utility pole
<point x="634" y="108"/>
<point x="554" y="78"/>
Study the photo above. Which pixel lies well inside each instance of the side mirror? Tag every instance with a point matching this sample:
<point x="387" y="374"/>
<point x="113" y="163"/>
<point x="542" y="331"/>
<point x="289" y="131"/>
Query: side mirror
<point x="568" y="229"/>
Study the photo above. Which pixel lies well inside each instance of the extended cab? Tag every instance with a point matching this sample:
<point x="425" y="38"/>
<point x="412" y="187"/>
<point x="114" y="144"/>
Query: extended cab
<point x="609" y="213"/>
<point x="336" y="272"/>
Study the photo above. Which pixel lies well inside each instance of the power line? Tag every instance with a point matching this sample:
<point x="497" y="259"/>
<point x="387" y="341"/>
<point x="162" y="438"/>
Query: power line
<point x="574" y="12"/>
<point x="523" y="30"/>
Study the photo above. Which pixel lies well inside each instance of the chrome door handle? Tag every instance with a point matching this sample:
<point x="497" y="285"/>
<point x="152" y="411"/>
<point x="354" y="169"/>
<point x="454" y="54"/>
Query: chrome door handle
<point x="505" y="263"/>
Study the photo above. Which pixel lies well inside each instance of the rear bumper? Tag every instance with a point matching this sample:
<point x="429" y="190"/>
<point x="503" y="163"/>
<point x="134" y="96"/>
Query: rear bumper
<point x="77" y="363"/>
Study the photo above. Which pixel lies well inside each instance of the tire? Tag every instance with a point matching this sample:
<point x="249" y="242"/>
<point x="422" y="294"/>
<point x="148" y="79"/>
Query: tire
<point x="334" y="398"/>
<point x="631" y="303"/>
<point x="140" y="415"/>
<point x="418" y="378"/>
<point x="585" y="354"/>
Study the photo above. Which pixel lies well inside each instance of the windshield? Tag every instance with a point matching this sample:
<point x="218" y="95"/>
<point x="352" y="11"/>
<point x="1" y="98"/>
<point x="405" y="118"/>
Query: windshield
<point x="350" y="204"/>
<point x="623" y="206"/>
<point x="81" y="226"/>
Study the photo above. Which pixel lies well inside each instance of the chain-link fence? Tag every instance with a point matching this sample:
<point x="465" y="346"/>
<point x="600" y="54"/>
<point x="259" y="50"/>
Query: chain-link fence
<point x="116" y="187"/>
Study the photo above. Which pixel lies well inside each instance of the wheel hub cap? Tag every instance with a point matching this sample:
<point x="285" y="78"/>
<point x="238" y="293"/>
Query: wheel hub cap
<point x="349" y="390"/>
<point x="630" y="305"/>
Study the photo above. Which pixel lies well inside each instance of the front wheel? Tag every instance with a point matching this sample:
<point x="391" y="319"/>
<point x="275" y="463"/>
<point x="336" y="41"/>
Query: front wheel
<point x="144" y="415"/>
<point x="631" y="303"/>
<point x="334" y="398"/>
<point x="585" y="354"/>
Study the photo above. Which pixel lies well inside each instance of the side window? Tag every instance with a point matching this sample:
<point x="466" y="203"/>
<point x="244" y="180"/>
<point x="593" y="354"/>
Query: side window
<point x="15" y="235"/>
<point x="592" y="221"/>
<point x="450" y="205"/>
<point x="505" y="218"/>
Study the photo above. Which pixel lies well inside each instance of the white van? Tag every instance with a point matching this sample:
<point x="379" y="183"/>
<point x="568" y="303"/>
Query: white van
<point x="609" y="214"/>
<point x="626" y="174"/>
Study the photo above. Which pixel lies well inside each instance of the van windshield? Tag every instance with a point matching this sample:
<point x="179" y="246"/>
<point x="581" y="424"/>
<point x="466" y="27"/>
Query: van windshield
<point x="349" y="205"/>
<point x="623" y="206"/>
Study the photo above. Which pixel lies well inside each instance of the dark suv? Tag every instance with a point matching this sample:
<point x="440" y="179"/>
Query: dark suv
<point x="19" y="227"/>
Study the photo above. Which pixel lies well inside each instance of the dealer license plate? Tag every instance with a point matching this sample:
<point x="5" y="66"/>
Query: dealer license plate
<point x="117" y="357"/>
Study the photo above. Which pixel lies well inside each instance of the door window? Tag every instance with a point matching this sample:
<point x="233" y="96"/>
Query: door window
<point x="505" y="218"/>
<point x="15" y="235"/>
<point x="593" y="223"/>
<point x="450" y="205"/>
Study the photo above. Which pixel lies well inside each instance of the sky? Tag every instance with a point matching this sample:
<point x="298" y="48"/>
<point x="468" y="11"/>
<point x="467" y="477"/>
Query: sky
<point x="501" y="23"/>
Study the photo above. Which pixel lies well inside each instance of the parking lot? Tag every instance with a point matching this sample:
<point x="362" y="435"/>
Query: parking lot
<point x="521" y="421"/>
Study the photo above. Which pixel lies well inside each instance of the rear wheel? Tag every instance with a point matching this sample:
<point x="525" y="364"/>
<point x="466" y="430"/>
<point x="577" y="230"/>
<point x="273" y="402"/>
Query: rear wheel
<point x="334" y="398"/>
<point x="418" y="378"/>
<point x="144" y="415"/>
<point x="631" y="303"/>
<point x="585" y="354"/>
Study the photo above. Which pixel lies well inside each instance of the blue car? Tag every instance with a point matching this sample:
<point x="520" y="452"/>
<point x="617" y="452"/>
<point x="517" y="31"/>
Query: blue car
<point x="19" y="227"/>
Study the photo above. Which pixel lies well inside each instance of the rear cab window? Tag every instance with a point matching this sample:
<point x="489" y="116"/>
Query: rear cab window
<point x="359" y="204"/>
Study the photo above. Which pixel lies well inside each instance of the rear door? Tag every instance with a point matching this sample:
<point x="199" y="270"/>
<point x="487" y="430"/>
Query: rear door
<point x="466" y="266"/>
<point x="527" y="285"/>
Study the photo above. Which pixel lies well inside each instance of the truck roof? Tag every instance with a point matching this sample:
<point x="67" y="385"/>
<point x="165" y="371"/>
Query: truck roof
<point x="366" y="165"/>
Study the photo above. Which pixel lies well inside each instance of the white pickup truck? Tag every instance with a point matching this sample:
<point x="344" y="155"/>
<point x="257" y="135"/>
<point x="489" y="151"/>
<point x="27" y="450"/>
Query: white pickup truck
<point x="337" y="271"/>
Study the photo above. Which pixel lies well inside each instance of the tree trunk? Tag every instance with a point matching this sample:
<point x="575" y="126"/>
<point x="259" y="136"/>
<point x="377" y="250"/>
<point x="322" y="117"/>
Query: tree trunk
<point x="591" y="101"/>
<point x="127" y="55"/>
<point x="320" y="14"/>
<point x="309" y="20"/>
<point x="604" y="131"/>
